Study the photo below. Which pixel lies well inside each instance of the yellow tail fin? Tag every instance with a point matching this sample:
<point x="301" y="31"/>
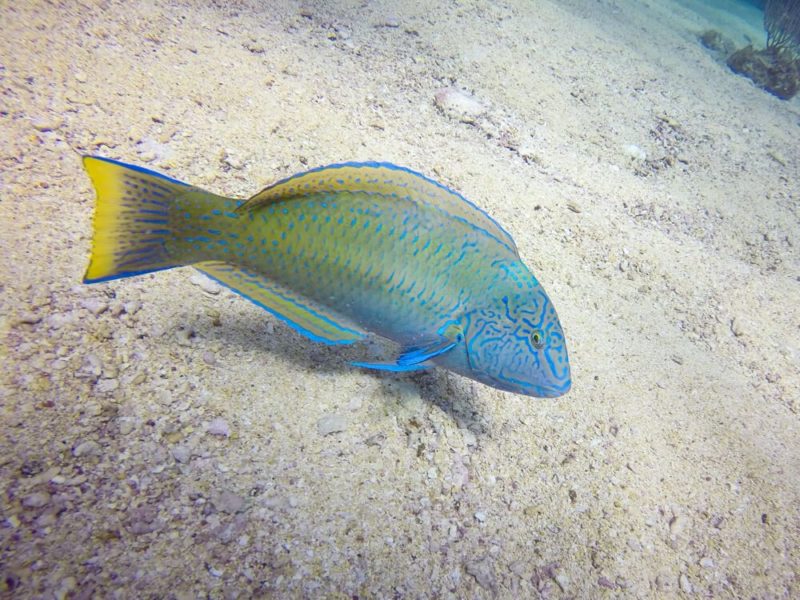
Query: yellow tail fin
<point x="131" y="220"/>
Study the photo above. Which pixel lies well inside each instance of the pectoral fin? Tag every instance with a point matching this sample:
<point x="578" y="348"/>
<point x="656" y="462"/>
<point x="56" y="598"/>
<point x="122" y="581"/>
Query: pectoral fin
<point x="420" y="354"/>
<point x="391" y="366"/>
<point x="415" y="358"/>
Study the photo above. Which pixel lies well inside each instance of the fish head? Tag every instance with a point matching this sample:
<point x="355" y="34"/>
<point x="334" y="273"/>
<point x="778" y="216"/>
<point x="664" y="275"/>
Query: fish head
<point x="515" y="343"/>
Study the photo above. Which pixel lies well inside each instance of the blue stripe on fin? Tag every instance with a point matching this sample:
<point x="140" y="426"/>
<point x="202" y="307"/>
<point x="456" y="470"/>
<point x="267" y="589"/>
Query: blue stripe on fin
<point x="417" y="355"/>
<point x="312" y="320"/>
<point x="390" y="366"/>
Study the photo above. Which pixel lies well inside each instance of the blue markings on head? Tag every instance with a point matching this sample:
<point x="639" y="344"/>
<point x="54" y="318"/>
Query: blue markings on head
<point x="516" y="343"/>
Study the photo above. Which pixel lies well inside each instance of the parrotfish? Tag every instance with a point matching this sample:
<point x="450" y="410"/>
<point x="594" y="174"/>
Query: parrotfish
<point x="346" y="251"/>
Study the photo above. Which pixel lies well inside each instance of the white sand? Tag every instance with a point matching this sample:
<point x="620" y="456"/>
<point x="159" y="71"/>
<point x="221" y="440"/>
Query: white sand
<point x="671" y="468"/>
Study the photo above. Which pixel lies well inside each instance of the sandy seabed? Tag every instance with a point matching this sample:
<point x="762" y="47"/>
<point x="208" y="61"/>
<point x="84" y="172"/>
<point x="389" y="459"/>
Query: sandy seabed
<point x="162" y="437"/>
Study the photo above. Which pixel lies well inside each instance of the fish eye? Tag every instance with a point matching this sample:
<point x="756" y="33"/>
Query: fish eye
<point x="537" y="339"/>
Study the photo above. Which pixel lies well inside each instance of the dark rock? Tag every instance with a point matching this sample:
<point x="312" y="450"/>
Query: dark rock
<point x="772" y="69"/>
<point x="714" y="40"/>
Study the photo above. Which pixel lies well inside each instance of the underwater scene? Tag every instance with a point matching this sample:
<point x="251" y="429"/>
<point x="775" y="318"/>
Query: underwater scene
<point x="375" y="299"/>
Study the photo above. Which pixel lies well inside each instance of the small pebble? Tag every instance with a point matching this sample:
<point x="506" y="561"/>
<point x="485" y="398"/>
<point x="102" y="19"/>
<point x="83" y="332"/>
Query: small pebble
<point x="635" y="152"/>
<point x="391" y="21"/>
<point x="229" y="531"/>
<point x="332" y="423"/>
<point x="184" y="336"/>
<point x="209" y="358"/>
<point x="47" y="123"/>
<point x="605" y="582"/>
<point x="36" y="500"/>
<point x="634" y="545"/>
<point x="228" y="502"/>
<point x="181" y="454"/>
<point x="459" y="103"/>
<point x="126" y="425"/>
<point x="214" y="572"/>
<point x="204" y="283"/>
<point x="562" y="581"/>
<point x="219" y="426"/>
<point x="376" y="439"/>
<point x="59" y="365"/>
<point x="28" y="318"/>
<point x="92" y="365"/>
<point x="677" y="525"/>
<point x="706" y="563"/>
<point x="521" y="568"/>
<point x="736" y="327"/>
<point x="686" y="585"/>
<point x="483" y="572"/>
<point x="230" y="159"/>
<point x="106" y="386"/>
<point x="469" y="438"/>
<point x="255" y="47"/>
<point x="87" y="448"/>
<point x="59" y="320"/>
<point x="480" y="516"/>
<point x="132" y="307"/>
<point x="67" y="585"/>
<point x="144" y="519"/>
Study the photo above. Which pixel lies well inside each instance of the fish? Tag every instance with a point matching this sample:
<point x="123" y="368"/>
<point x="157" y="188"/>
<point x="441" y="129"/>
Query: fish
<point x="343" y="252"/>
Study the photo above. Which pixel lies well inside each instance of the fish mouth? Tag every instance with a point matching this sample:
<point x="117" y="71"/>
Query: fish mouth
<point x="554" y="391"/>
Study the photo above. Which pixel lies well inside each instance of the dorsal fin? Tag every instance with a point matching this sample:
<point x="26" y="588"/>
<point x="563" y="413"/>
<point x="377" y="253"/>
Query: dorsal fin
<point x="387" y="180"/>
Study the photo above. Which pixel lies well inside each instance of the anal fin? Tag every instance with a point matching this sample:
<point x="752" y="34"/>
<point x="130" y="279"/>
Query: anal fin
<point x="309" y="318"/>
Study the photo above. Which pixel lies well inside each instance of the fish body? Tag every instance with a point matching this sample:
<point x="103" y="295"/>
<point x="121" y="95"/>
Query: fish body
<point x="345" y="251"/>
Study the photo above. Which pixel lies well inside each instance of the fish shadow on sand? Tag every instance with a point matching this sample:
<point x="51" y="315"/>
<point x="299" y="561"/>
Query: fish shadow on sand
<point x="453" y="395"/>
